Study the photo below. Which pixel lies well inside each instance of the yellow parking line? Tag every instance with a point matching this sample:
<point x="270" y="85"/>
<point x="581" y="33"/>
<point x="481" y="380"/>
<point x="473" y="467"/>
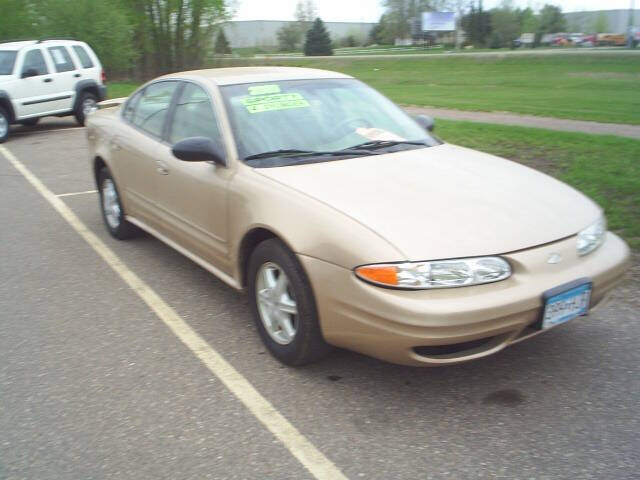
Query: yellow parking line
<point x="300" y="447"/>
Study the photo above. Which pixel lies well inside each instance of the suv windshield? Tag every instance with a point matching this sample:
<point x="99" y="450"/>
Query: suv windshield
<point x="7" y="60"/>
<point x="324" y="115"/>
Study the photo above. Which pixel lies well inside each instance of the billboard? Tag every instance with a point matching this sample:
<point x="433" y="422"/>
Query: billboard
<point x="438" y="21"/>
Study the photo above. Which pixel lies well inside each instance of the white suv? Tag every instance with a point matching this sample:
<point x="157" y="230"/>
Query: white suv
<point x="47" y="77"/>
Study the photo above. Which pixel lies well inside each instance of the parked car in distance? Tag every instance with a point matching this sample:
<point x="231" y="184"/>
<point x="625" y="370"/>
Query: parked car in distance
<point x="48" y="77"/>
<point x="348" y="222"/>
<point x="612" y="39"/>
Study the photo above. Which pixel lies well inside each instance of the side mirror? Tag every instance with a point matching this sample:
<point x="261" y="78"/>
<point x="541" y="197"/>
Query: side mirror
<point x="29" y="72"/>
<point x="199" y="149"/>
<point x="426" y="122"/>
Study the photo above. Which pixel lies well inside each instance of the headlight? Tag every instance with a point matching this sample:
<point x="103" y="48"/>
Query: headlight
<point x="592" y="237"/>
<point x="437" y="274"/>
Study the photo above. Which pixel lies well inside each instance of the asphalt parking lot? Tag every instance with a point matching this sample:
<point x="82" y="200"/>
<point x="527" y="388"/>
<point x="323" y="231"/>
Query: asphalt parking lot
<point x="94" y="385"/>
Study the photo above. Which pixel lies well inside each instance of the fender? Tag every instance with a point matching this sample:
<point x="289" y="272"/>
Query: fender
<point x="92" y="86"/>
<point x="5" y="101"/>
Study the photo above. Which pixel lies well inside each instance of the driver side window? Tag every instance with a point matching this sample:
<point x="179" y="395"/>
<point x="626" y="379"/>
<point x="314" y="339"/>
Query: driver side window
<point x="150" y="110"/>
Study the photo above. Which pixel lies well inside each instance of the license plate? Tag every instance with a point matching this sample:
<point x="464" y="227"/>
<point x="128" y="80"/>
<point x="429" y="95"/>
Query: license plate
<point x="567" y="304"/>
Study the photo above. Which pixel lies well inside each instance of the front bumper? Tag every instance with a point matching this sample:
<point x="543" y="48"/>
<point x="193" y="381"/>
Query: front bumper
<point x="411" y="327"/>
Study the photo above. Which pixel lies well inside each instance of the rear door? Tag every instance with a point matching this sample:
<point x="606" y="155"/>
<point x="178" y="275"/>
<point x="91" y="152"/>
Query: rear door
<point x="136" y="148"/>
<point x="37" y="94"/>
<point x="65" y="75"/>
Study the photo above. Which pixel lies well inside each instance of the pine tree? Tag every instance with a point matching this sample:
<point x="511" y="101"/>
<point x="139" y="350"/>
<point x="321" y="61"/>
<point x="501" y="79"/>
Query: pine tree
<point x="222" y="44"/>
<point x="318" y="41"/>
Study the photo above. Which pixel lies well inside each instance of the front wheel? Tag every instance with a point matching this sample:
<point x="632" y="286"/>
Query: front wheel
<point x="111" y="206"/>
<point x="87" y="104"/>
<point x="283" y="305"/>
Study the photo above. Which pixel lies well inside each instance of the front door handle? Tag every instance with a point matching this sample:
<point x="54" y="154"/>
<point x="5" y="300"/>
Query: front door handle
<point x="161" y="168"/>
<point x="77" y="75"/>
<point x="47" y="80"/>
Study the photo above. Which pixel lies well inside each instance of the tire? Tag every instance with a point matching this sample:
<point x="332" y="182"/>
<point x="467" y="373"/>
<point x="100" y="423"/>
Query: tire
<point x="4" y="125"/>
<point x="307" y="345"/>
<point x="30" y="122"/>
<point x="85" y="100"/>
<point x="111" y="208"/>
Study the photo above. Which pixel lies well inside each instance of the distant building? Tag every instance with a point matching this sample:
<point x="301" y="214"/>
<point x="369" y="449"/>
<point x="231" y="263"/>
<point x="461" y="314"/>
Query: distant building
<point x="617" y="21"/>
<point x="264" y="33"/>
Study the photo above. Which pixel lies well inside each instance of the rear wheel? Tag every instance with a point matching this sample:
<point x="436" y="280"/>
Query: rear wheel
<point x="4" y="125"/>
<point x="111" y="206"/>
<point x="87" y="103"/>
<point x="283" y="305"/>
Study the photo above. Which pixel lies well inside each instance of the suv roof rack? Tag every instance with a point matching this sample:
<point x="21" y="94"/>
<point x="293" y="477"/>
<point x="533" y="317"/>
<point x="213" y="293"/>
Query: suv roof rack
<point x="55" y="38"/>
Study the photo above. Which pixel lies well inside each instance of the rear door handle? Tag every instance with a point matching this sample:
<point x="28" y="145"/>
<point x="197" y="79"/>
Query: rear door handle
<point x="77" y="75"/>
<point x="47" y="80"/>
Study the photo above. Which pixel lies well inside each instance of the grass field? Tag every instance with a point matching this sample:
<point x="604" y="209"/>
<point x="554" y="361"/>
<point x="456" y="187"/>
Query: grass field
<point x="606" y="168"/>
<point x="601" y="87"/>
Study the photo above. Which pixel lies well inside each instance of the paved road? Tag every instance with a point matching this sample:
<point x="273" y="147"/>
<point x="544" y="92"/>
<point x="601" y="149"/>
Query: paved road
<point x="94" y="385"/>
<point x="508" y="118"/>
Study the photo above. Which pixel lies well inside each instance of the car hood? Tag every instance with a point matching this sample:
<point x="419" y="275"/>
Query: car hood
<point x="444" y="201"/>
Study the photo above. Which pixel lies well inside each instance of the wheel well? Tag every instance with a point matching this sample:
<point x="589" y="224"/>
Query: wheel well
<point x="6" y="105"/>
<point x="250" y="241"/>
<point x="98" y="164"/>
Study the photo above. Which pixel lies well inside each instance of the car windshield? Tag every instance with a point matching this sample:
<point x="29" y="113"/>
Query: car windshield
<point x="296" y="118"/>
<point x="7" y="60"/>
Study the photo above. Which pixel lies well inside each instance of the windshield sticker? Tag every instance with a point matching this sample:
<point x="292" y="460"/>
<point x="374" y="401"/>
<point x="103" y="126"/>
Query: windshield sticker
<point x="264" y="89"/>
<point x="378" y="134"/>
<point x="279" y="101"/>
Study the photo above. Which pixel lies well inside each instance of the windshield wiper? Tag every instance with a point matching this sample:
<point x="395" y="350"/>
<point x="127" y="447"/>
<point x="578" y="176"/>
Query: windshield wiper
<point x="374" y="144"/>
<point x="306" y="153"/>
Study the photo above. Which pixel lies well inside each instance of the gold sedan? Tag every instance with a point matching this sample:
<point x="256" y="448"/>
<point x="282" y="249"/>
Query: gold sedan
<point x="348" y="222"/>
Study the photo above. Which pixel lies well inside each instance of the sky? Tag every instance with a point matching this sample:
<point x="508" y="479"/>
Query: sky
<point x="370" y="10"/>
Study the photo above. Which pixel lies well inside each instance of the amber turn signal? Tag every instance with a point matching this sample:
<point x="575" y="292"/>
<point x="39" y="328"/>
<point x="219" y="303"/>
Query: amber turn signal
<point x="383" y="274"/>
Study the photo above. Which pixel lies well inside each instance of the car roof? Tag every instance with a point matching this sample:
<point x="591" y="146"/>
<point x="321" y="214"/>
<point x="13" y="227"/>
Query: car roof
<point x="26" y="43"/>
<point x="239" y="75"/>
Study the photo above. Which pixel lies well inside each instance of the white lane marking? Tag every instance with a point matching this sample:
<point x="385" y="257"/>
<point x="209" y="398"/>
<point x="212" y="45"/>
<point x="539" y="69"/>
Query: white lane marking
<point x="300" y="447"/>
<point x="75" y="193"/>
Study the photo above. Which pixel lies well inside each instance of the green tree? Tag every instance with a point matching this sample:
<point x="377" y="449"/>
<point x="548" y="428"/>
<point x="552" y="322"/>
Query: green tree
<point x="380" y="33"/>
<point x="505" y="25"/>
<point x="222" y="44"/>
<point x="16" y="20"/>
<point x="305" y="14"/>
<point x="551" y="20"/>
<point x="477" y="24"/>
<point x="289" y="37"/>
<point x="318" y="41"/>
<point x="174" y="34"/>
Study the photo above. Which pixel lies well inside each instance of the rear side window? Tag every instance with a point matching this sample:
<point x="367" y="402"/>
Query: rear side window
<point x="85" y="59"/>
<point x="151" y="109"/>
<point x="61" y="59"/>
<point x="35" y="60"/>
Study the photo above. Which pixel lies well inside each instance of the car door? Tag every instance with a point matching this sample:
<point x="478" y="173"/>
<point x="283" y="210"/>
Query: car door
<point x="35" y="92"/>
<point x="192" y="196"/>
<point x="136" y="146"/>
<point x="65" y="76"/>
